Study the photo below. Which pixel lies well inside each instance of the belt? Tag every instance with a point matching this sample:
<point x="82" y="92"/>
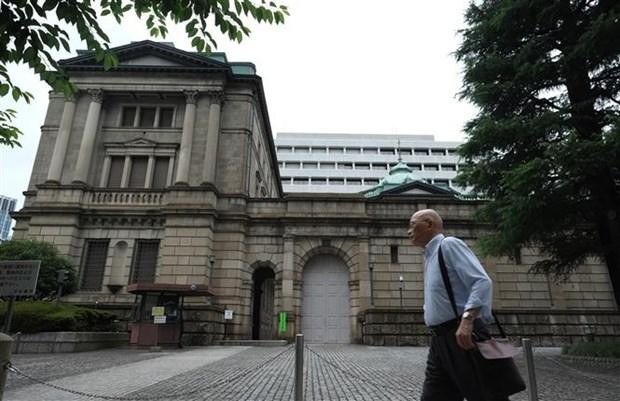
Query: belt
<point x="444" y="328"/>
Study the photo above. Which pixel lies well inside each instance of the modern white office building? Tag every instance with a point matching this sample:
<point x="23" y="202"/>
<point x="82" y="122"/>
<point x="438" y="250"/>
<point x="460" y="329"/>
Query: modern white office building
<point x="7" y="205"/>
<point x="351" y="163"/>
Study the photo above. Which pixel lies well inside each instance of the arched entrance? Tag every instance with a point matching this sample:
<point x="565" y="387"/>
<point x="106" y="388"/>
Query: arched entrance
<point x="325" y="308"/>
<point x="262" y="304"/>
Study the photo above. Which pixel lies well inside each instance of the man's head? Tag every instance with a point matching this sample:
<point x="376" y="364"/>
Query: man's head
<point x="423" y="226"/>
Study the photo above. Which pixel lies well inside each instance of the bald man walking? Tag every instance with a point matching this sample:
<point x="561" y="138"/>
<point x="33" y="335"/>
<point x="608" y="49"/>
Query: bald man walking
<point x="449" y="371"/>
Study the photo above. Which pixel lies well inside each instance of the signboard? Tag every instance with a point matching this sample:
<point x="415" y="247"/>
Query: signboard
<point x="157" y="311"/>
<point x="228" y="314"/>
<point x="159" y="319"/>
<point x="18" y="278"/>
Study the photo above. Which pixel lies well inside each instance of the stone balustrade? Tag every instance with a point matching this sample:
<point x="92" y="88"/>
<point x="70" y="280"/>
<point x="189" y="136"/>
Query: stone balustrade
<point x="140" y="198"/>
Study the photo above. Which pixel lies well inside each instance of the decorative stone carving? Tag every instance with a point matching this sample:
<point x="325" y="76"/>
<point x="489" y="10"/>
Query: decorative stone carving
<point x="191" y="97"/>
<point x="217" y="97"/>
<point x="96" y="95"/>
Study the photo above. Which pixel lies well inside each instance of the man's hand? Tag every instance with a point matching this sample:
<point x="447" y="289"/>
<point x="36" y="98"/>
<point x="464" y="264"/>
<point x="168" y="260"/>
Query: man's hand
<point x="463" y="334"/>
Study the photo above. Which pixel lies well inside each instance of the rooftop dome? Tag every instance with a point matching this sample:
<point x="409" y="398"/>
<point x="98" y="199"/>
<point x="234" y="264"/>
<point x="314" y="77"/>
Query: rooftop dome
<point x="398" y="175"/>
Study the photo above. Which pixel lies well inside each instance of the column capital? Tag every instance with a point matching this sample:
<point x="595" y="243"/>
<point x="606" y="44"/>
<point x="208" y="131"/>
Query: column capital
<point x="96" y="95"/>
<point x="216" y="96"/>
<point x="191" y="97"/>
<point x="71" y="97"/>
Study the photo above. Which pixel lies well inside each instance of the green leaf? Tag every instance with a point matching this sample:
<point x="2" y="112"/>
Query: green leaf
<point x="16" y="93"/>
<point x="4" y="89"/>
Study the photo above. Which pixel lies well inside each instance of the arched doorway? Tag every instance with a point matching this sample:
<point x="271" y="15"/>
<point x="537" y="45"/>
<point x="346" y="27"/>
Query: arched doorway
<point x="325" y="308"/>
<point x="262" y="304"/>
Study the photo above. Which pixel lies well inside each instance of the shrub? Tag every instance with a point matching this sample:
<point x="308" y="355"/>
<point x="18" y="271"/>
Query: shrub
<point x="51" y="262"/>
<point x="38" y="316"/>
<point x="596" y="349"/>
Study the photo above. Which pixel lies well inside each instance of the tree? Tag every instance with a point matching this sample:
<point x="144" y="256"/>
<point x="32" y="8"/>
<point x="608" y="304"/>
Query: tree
<point x="545" y="145"/>
<point x="27" y="36"/>
<point x="51" y="263"/>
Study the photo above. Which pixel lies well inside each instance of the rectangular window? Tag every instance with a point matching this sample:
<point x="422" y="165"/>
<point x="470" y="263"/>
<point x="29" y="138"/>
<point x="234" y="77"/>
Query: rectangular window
<point x="379" y="166"/>
<point x="328" y="166"/>
<point x="438" y="152"/>
<point x="452" y="152"/>
<point x="302" y="149"/>
<point x="394" y="253"/>
<point x="372" y="151"/>
<point x="147" y="117"/>
<point x="160" y="172"/>
<point x="286" y="180"/>
<point x="353" y="150"/>
<point x="300" y="181"/>
<point x="310" y="165"/>
<point x="166" y="115"/>
<point x="386" y="151"/>
<point x="116" y="171"/>
<point x="420" y="152"/>
<point x="448" y="167"/>
<point x="145" y="261"/>
<point x="319" y="181"/>
<point x="137" y="175"/>
<point x="405" y="151"/>
<point x="371" y="181"/>
<point x="319" y="150"/>
<point x="95" y="254"/>
<point x="336" y="150"/>
<point x="292" y="165"/>
<point x="415" y="166"/>
<point x="285" y="149"/>
<point x="336" y="181"/>
<point x="431" y="167"/>
<point x="354" y="181"/>
<point x="128" y="117"/>
<point x="442" y="183"/>
<point x="362" y="166"/>
<point x="345" y="166"/>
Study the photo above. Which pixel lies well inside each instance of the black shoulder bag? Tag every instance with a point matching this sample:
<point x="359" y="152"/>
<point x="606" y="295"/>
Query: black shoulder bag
<point x="496" y="371"/>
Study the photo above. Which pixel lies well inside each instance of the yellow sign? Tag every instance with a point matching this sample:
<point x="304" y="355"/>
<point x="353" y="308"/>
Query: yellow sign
<point x="157" y="311"/>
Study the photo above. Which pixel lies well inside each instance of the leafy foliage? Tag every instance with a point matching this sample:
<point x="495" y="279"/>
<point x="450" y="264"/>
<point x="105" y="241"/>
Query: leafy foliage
<point x="40" y="316"/>
<point x="595" y="349"/>
<point x="51" y="262"/>
<point x="545" y="145"/>
<point x="27" y="36"/>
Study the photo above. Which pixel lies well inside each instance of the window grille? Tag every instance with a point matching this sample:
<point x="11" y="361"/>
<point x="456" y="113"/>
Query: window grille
<point x="94" y="264"/>
<point x="145" y="261"/>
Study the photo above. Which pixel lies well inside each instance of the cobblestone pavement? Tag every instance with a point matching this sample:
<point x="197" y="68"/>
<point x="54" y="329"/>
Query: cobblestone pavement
<point x="332" y="372"/>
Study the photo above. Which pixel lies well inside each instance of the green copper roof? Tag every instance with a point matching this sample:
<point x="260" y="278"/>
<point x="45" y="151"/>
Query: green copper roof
<point x="398" y="175"/>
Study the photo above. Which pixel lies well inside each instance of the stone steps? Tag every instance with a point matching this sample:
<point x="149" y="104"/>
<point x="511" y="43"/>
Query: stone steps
<point x="253" y="343"/>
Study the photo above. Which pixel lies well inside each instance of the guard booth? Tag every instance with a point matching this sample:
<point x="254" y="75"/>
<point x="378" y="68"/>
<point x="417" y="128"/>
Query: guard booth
<point x="158" y="312"/>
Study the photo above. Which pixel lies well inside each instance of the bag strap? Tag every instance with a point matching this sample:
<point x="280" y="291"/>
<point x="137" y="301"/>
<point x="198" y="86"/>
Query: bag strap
<point x="446" y="281"/>
<point x="448" y="285"/>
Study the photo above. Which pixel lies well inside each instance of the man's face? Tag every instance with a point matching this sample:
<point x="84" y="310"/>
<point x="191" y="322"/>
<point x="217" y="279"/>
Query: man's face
<point x="420" y="230"/>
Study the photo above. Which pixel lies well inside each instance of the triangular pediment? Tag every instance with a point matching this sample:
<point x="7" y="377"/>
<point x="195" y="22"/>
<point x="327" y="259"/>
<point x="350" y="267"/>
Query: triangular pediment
<point x="415" y="188"/>
<point x="150" y="55"/>
<point x="140" y="142"/>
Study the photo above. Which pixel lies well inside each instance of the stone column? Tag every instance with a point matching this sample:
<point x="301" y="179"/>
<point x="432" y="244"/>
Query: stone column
<point x="148" y="180"/>
<point x="288" y="274"/>
<point x="364" y="273"/>
<point x="126" y="172"/>
<point x="62" y="139"/>
<point x="185" y="152"/>
<point x="213" y="134"/>
<point x="88" y="137"/>
<point x="105" y="171"/>
<point x="170" y="171"/>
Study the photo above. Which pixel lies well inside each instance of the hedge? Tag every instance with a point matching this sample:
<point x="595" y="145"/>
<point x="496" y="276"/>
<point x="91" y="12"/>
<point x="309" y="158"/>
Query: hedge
<point x="596" y="349"/>
<point x="40" y="316"/>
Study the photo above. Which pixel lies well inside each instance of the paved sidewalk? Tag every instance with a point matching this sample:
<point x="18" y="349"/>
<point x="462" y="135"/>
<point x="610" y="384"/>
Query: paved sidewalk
<point x="344" y="373"/>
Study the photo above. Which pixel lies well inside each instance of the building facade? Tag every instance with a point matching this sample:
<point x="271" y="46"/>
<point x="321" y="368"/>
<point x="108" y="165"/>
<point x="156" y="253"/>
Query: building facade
<point x="164" y="171"/>
<point x="7" y="205"/>
<point x="349" y="163"/>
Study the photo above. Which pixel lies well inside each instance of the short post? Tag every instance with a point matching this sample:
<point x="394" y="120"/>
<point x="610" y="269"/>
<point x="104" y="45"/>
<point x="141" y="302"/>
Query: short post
<point x="6" y="345"/>
<point x="299" y="367"/>
<point x="532" y="390"/>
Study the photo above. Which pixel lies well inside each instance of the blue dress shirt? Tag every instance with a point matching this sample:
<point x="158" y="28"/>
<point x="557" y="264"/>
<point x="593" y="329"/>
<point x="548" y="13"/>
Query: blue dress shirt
<point x="470" y="283"/>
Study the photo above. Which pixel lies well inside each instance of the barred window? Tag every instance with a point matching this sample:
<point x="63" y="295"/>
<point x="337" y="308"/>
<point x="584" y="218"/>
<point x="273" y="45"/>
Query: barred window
<point x="96" y="252"/>
<point x="144" y="261"/>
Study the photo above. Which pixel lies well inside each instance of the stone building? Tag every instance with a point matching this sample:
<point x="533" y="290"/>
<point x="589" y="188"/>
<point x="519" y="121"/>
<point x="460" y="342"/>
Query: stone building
<point x="164" y="171"/>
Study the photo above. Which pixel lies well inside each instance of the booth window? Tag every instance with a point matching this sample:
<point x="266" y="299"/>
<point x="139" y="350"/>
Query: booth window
<point x="144" y="261"/>
<point x="96" y="252"/>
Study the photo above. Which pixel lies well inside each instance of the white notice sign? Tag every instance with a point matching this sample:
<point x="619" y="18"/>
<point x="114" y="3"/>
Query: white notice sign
<point x="18" y="277"/>
<point x="228" y="314"/>
<point x="159" y="319"/>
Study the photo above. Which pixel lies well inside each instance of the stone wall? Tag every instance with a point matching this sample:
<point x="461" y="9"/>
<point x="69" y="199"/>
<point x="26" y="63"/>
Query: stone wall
<point x="544" y="328"/>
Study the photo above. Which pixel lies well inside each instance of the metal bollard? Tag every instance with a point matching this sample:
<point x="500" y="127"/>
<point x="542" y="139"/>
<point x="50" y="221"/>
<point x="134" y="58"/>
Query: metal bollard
<point x="532" y="390"/>
<point x="299" y="367"/>
<point x="6" y="345"/>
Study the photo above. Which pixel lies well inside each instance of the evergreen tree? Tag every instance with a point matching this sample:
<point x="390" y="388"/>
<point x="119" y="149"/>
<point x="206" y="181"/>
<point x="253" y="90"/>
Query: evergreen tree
<point x="545" y="145"/>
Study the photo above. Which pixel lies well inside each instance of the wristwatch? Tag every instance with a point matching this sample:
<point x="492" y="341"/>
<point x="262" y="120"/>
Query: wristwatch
<point x="468" y="315"/>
